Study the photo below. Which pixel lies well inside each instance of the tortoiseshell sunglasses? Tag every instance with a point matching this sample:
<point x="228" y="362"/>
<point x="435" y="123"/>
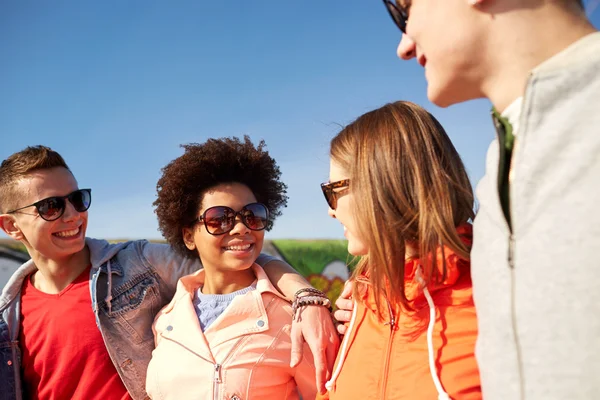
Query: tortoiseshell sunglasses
<point x="330" y="195"/>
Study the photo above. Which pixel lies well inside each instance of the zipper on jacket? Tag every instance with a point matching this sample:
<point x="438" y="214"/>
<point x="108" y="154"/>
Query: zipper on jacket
<point x="511" y="251"/>
<point x="217" y="380"/>
<point x="500" y="130"/>
<point x="218" y="367"/>
<point x="386" y="366"/>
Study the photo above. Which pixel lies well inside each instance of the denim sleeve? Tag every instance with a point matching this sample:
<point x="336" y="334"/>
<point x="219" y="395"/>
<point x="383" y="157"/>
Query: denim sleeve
<point x="168" y="264"/>
<point x="263" y="259"/>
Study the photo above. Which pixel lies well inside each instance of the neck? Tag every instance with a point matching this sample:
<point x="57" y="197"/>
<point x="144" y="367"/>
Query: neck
<point x="526" y="37"/>
<point x="224" y="282"/>
<point x="54" y="275"/>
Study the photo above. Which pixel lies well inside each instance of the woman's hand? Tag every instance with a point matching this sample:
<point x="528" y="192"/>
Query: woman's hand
<point x="345" y="305"/>
<point x="315" y="326"/>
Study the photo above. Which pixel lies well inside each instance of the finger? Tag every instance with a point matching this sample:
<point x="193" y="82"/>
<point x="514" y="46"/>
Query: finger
<point x="320" y="359"/>
<point x="343" y="304"/>
<point x="297" y="344"/>
<point x="347" y="291"/>
<point x="342" y="315"/>
<point x="332" y="350"/>
<point x="342" y="329"/>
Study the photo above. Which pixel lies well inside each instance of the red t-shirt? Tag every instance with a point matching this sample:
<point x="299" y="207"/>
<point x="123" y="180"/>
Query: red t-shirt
<point x="64" y="356"/>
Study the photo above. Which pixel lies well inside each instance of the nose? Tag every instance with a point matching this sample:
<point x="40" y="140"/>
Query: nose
<point x="238" y="227"/>
<point x="70" y="213"/>
<point x="407" y="48"/>
<point x="331" y="212"/>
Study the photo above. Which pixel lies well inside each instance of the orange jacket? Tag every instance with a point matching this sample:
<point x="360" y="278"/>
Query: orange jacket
<point x="383" y="361"/>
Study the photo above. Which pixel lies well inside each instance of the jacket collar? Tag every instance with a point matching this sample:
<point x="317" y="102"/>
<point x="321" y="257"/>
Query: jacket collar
<point x="101" y="251"/>
<point x="247" y="314"/>
<point x="455" y="267"/>
<point x="190" y="283"/>
<point x="13" y="287"/>
<point x="578" y="52"/>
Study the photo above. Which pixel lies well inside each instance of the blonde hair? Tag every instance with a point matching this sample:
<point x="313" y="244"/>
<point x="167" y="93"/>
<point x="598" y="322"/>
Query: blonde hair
<point x="409" y="187"/>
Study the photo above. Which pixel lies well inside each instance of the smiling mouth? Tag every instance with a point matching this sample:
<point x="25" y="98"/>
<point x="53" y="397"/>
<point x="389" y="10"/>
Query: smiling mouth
<point x="241" y="247"/>
<point x="68" y="234"/>
<point x="422" y="60"/>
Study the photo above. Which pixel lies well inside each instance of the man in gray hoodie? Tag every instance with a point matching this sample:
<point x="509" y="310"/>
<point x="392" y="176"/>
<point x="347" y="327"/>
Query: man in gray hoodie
<point x="537" y="231"/>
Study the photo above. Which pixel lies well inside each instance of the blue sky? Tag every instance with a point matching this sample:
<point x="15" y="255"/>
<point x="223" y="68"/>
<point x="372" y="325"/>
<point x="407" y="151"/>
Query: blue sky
<point x="116" y="87"/>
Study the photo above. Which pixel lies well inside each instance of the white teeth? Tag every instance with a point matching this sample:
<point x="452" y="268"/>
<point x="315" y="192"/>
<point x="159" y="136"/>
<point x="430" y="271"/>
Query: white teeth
<point x="238" y="248"/>
<point x="67" y="233"/>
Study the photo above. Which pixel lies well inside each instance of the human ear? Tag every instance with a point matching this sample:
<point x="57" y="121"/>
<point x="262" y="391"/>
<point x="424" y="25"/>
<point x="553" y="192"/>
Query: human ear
<point x="188" y="238"/>
<point x="10" y="226"/>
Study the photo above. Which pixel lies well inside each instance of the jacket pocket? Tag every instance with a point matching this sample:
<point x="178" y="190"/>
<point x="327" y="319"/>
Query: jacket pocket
<point x="134" y="305"/>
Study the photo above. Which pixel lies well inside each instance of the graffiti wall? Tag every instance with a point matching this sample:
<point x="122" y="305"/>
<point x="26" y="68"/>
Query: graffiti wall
<point x="325" y="263"/>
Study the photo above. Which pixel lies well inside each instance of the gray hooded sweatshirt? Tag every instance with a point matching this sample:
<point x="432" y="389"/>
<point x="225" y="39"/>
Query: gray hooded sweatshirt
<point x="536" y="283"/>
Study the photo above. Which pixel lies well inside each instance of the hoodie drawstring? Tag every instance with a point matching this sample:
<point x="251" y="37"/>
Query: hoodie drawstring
<point x="109" y="297"/>
<point x="330" y="385"/>
<point x="442" y="395"/>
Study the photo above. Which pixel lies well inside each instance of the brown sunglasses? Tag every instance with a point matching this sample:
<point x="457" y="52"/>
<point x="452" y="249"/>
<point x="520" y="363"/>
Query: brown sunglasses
<point x="330" y="195"/>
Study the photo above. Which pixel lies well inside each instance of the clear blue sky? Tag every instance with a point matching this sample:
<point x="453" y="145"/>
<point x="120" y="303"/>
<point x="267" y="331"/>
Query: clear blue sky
<point x="117" y="86"/>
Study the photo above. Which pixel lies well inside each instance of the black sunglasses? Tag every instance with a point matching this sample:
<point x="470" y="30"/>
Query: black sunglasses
<point x="53" y="208"/>
<point x="330" y="195"/>
<point x="399" y="14"/>
<point x="219" y="220"/>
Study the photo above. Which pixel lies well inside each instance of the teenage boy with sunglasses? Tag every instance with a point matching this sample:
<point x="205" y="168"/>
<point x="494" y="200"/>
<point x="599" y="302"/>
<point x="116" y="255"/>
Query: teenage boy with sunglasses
<point x="75" y="320"/>
<point x="536" y="235"/>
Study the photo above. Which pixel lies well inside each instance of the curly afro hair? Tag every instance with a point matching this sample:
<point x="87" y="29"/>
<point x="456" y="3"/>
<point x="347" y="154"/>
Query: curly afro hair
<point x="186" y="179"/>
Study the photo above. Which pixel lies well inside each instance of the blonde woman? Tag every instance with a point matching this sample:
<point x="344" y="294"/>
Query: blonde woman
<point x="400" y="190"/>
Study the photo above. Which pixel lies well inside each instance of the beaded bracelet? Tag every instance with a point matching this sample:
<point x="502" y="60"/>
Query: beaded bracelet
<point x="310" y="301"/>
<point x="313" y="291"/>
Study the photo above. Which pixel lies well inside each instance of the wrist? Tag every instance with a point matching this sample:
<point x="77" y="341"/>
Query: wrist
<point x="309" y="297"/>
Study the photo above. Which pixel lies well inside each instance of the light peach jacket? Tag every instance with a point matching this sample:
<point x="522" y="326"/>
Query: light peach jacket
<point x="244" y="354"/>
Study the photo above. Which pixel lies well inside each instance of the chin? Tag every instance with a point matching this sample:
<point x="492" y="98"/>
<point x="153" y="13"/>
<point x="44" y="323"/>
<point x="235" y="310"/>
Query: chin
<point x="357" y="249"/>
<point x="445" y="94"/>
<point x="439" y="99"/>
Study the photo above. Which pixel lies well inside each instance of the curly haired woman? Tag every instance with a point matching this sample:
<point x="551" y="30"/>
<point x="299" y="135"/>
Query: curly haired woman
<point x="226" y="333"/>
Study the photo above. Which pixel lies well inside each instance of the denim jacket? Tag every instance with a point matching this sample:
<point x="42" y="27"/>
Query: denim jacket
<point x="129" y="283"/>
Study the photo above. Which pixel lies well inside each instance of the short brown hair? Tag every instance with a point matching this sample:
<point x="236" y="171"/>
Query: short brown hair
<point x="186" y="179"/>
<point x="20" y="164"/>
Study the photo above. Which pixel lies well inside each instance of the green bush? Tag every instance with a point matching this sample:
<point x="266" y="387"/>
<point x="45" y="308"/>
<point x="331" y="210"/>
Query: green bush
<point x="312" y="256"/>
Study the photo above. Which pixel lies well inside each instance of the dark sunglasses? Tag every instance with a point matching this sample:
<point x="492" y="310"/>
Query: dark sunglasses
<point x="330" y="195"/>
<point x="219" y="220"/>
<point x="53" y="208"/>
<point x="398" y="14"/>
